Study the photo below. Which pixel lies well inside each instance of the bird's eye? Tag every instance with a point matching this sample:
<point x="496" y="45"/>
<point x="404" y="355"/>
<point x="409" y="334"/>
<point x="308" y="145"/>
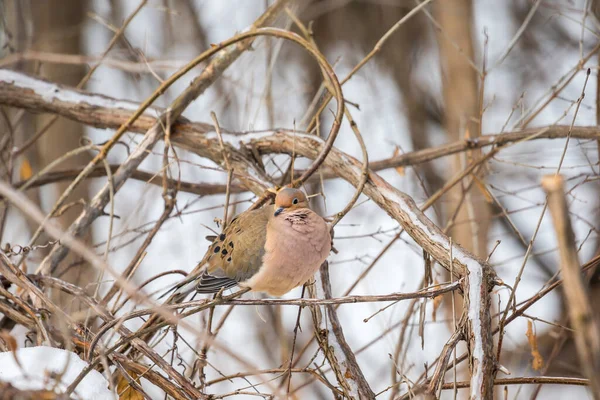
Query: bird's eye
<point x="295" y="201"/>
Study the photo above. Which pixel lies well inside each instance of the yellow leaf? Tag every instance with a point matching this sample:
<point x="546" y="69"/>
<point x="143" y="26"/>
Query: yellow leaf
<point x="538" y="361"/>
<point x="399" y="170"/>
<point x="25" y="172"/>
<point x="124" y="389"/>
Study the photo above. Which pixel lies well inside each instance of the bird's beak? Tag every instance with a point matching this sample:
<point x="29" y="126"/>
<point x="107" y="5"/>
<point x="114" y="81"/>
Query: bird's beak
<point x="278" y="211"/>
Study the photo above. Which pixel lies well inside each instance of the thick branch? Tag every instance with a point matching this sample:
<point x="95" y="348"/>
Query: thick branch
<point x="347" y="358"/>
<point x="331" y="348"/>
<point x="36" y="95"/>
<point x="587" y="334"/>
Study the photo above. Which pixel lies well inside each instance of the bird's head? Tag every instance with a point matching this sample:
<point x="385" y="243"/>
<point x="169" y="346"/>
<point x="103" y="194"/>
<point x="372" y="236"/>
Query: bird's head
<point x="288" y="199"/>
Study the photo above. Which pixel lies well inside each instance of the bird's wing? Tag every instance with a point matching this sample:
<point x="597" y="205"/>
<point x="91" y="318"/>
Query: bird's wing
<point x="236" y="254"/>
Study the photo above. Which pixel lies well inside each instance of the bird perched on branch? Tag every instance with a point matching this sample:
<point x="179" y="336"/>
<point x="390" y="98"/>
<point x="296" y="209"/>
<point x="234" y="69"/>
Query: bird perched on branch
<point x="272" y="249"/>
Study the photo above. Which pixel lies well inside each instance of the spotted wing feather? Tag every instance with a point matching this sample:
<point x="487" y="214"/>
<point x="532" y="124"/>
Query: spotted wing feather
<point x="236" y="254"/>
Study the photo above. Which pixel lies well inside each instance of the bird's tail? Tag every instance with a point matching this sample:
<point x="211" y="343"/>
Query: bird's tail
<point x="181" y="290"/>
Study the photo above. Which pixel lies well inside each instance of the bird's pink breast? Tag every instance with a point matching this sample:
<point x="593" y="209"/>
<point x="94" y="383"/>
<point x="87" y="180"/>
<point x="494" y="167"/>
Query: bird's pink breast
<point x="293" y="253"/>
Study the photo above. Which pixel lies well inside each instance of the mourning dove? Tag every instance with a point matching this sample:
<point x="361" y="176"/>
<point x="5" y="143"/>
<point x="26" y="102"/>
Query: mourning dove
<point x="271" y="250"/>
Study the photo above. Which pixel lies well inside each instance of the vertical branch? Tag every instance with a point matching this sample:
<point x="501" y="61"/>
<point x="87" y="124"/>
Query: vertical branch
<point x="435" y="384"/>
<point x="333" y="343"/>
<point x="462" y="119"/>
<point x="352" y="369"/>
<point x="480" y="343"/>
<point x="63" y="21"/>
<point x="587" y="334"/>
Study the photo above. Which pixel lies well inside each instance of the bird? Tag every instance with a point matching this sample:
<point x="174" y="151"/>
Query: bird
<point x="272" y="250"/>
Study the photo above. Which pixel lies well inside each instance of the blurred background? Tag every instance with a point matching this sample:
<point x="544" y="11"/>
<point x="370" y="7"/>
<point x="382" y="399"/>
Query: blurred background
<point x="454" y="70"/>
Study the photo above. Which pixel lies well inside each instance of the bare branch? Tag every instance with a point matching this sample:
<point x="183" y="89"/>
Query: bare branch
<point x="35" y="94"/>
<point x="587" y="334"/>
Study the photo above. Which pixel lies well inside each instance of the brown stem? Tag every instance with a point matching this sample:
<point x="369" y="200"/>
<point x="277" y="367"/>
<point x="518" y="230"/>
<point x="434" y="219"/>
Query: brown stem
<point x="587" y="334"/>
<point x="109" y="113"/>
